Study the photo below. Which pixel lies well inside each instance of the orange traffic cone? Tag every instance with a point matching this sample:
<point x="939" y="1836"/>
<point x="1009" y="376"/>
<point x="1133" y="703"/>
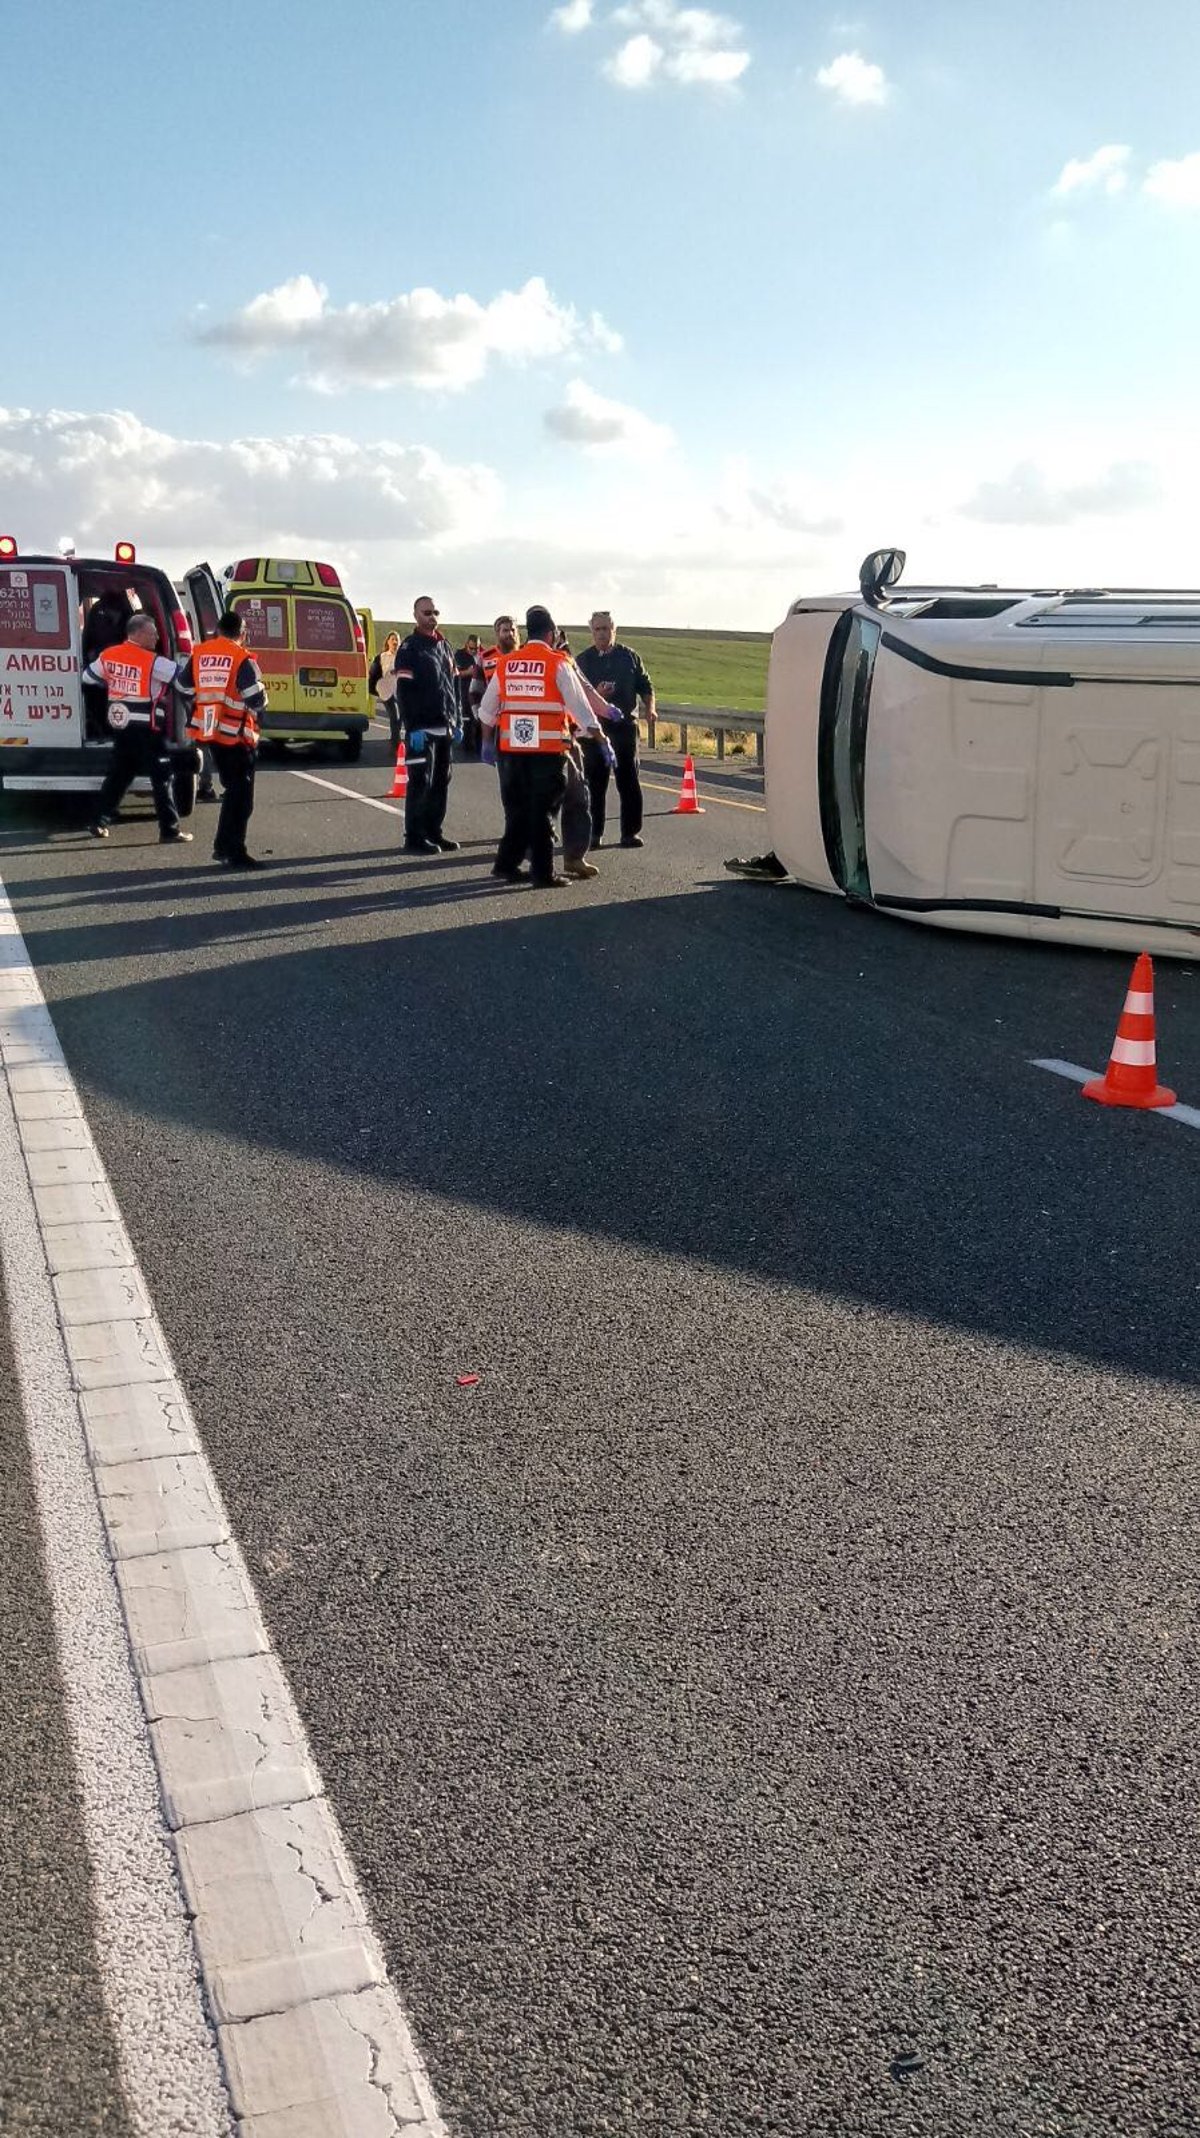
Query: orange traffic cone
<point x="1132" y="1075"/>
<point x="399" y="786"/>
<point x="689" y="803"/>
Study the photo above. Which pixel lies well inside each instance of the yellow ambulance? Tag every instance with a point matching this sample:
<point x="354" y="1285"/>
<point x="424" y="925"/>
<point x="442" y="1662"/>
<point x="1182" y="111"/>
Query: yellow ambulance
<point x="306" y="636"/>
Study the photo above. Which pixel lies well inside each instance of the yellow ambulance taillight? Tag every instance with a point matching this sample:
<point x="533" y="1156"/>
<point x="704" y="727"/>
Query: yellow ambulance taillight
<point x="8" y="546"/>
<point x="125" y="553"/>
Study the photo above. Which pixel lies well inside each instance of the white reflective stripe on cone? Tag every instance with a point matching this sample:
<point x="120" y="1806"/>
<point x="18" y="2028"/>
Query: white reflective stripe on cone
<point x="1135" y="1053"/>
<point x="1139" y="1005"/>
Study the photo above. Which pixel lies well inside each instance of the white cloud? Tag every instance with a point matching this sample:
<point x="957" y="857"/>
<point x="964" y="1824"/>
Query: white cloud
<point x="855" y="80"/>
<point x="586" y="419"/>
<point x="418" y="339"/>
<point x="635" y="63"/>
<point x="1026" y="498"/>
<point x="1106" y="171"/>
<point x="575" y="16"/>
<point x="1175" y="183"/>
<point x="793" y="505"/>
<point x="721" y="69"/>
<point x="689" y="45"/>
<point x="108" y="476"/>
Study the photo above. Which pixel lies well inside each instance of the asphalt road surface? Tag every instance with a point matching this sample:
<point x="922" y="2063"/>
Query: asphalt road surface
<point x="767" y="1700"/>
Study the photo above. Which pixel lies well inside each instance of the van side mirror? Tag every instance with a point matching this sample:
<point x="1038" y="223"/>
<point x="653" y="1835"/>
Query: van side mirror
<point x="881" y="570"/>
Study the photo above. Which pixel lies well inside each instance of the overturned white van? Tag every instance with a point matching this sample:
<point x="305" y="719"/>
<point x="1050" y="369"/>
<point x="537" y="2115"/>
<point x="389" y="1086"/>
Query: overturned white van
<point x="1022" y="762"/>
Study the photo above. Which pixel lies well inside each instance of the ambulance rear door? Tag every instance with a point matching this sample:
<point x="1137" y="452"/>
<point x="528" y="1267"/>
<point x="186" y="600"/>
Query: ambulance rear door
<point x="204" y="596"/>
<point x="40" y="701"/>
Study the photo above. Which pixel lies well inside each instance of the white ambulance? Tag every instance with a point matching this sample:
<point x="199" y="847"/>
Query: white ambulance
<point x="1015" y="761"/>
<point x="53" y="735"/>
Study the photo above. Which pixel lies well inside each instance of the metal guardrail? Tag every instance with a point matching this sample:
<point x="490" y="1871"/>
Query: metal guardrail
<point x="708" y="720"/>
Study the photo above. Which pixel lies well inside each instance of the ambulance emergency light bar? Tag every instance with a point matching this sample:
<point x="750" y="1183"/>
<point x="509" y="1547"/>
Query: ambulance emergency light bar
<point x="125" y="553"/>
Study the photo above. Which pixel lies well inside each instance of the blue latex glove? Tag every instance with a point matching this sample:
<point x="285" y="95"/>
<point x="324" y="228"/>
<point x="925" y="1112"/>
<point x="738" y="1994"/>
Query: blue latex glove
<point x="414" y="744"/>
<point x="610" y="755"/>
<point x="487" y="748"/>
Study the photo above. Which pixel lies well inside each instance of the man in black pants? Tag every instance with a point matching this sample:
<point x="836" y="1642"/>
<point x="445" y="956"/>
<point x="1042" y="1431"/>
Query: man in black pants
<point x="138" y="683"/>
<point x="534" y="701"/>
<point x="225" y="694"/>
<point x="427" y="691"/>
<point x="616" y="671"/>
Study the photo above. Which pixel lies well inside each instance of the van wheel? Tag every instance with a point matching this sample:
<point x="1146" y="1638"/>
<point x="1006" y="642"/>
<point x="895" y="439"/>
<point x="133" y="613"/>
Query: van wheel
<point x="352" y="748"/>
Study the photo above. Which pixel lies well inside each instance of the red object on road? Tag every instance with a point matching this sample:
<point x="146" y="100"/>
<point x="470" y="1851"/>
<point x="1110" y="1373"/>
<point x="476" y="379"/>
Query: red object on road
<point x="689" y="803"/>
<point x="1131" y="1078"/>
<point x="467" y="1380"/>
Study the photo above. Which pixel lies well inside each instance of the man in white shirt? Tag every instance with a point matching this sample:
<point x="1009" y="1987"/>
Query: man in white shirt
<point x="139" y="685"/>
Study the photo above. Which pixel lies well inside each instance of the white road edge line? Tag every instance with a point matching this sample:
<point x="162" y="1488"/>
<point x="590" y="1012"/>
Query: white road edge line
<point x="1188" y="1115"/>
<point x="258" y="1913"/>
<point x="352" y="793"/>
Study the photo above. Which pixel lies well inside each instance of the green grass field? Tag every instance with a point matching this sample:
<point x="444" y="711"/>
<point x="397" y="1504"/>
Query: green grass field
<point x="719" y="668"/>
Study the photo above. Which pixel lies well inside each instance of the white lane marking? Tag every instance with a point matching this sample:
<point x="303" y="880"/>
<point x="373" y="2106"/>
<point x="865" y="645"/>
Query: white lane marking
<point x="352" y="794"/>
<point x="280" y="1946"/>
<point x="726" y="801"/>
<point x="1188" y="1115"/>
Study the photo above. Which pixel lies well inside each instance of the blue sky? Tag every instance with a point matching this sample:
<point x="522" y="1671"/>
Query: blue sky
<point x="677" y="308"/>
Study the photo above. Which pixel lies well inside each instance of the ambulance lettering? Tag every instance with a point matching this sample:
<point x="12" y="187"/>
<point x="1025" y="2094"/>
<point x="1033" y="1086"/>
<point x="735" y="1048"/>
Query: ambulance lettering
<point x="42" y="664"/>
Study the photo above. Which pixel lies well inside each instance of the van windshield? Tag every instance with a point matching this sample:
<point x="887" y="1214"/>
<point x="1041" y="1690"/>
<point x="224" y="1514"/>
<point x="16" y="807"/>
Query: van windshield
<point x="323" y="627"/>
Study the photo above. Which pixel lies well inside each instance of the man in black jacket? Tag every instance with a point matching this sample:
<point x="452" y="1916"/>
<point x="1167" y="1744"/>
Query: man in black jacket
<point x="428" y="698"/>
<point x="617" y="672"/>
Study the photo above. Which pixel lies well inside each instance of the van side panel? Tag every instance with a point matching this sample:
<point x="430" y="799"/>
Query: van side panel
<point x="950" y="785"/>
<point x="794" y="673"/>
<point x="1119" y="827"/>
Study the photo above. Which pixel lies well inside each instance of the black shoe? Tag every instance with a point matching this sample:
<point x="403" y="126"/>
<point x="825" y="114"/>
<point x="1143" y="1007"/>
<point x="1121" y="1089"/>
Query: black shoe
<point x="244" y="861"/>
<point x="420" y="846"/>
<point x="510" y="875"/>
<point x="549" y="883"/>
<point x="634" y="838"/>
<point x="595" y="846"/>
<point x="207" y="794"/>
<point x="175" y="838"/>
<point x="99" y="830"/>
<point x="447" y="846"/>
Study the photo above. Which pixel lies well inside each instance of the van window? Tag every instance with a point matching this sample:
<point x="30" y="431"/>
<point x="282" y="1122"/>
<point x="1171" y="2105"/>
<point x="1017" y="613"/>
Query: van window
<point x="266" y="623"/>
<point x="33" y="609"/>
<point x="323" y="627"/>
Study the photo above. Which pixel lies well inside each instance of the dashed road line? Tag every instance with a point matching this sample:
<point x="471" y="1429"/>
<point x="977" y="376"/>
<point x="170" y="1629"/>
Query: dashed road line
<point x="1188" y="1115"/>
<point x="222" y="1880"/>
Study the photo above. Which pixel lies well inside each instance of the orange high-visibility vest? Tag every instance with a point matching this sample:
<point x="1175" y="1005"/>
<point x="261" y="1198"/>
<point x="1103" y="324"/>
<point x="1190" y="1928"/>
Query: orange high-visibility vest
<point x="220" y="713"/>
<point x="534" y="719"/>
<point x="128" y="671"/>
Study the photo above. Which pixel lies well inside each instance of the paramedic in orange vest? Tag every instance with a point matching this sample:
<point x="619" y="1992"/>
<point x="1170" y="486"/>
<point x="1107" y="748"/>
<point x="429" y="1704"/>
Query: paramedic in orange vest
<point x="534" y="702"/>
<point x="225" y="694"/>
<point x="139" y="685"/>
<point x="506" y="641"/>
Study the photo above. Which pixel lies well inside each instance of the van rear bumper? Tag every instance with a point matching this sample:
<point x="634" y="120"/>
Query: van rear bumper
<point x="309" y="727"/>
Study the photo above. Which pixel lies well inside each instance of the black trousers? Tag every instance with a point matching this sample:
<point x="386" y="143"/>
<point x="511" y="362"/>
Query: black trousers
<point x="137" y="753"/>
<point x="428" y="789"/>
<point x="531" y="789"/>
<point x="235" y="763"/>
<point x="623" y="736"/>
<point x="576" y="809"/>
